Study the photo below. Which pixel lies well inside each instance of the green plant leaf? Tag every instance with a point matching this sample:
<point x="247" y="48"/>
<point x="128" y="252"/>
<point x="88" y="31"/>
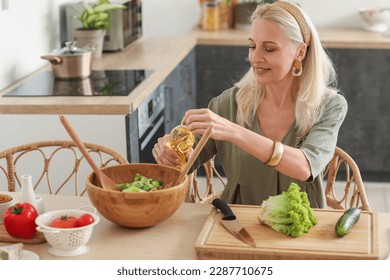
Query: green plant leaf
<point x="87" y="7"/>
<point x="107" y="7"/>
<point x="96" y="16"/>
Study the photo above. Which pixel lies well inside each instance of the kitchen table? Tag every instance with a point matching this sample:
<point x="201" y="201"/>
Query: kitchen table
<point x="172" y="239"/>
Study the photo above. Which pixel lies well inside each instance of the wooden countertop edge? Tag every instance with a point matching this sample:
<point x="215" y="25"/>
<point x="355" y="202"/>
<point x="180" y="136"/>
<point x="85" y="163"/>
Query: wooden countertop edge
<point x="93" y="109"/>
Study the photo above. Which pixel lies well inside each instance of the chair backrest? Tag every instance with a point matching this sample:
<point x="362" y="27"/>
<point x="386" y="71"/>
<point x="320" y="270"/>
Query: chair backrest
<point x="350" y="186"/>
<point x="343" y="192"/>
<point x="210" y="192"/>
<point x="55" y="166"/>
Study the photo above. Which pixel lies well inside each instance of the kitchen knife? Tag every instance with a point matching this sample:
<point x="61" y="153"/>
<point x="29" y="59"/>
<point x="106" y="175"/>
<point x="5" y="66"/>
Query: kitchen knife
<point x="229" y="221"/>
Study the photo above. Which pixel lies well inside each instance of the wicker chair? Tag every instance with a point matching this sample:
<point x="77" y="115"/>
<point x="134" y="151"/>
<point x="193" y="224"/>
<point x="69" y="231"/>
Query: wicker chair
<point x="353" y="195"/>
<point x="210" y="192"/>
<point x="40" y="160"/>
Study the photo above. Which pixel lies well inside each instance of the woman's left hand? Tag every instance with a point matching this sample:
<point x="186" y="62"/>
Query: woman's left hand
<point x="163" y="154"/>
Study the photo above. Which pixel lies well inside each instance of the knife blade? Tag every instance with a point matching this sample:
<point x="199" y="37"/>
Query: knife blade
<point x="229" y="221"/>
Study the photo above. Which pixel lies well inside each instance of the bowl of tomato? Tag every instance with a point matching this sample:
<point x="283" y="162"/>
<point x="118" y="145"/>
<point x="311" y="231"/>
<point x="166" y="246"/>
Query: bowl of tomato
<point x="68" y="231"/>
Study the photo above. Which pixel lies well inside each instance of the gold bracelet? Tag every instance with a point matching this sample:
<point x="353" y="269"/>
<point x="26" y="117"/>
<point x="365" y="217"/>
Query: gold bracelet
<point x="276" y="155"/>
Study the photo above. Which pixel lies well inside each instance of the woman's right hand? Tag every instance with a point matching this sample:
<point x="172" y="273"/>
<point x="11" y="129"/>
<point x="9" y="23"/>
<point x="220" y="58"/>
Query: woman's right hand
<point x="163" y="154"/>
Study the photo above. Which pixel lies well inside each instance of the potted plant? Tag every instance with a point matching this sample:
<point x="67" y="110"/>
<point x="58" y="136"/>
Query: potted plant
<point x="95" y="20"/>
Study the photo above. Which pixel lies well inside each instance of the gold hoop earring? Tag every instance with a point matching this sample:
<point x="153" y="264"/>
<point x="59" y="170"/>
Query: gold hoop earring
<point x="297" y="68"/>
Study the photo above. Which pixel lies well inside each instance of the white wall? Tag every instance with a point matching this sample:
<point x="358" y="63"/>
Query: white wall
<point x="30" y="28"/>
<point x="169" y="17"/>
<point x="339" y="12"/>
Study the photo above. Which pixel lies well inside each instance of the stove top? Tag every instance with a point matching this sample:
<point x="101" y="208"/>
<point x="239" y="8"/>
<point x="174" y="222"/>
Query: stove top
<point x="100" y="83"/>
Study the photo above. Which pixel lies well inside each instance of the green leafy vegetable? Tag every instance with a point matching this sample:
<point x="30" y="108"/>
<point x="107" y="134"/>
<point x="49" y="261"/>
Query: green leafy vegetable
<point x="140" y="184"/>
<point x="288" y="213"/>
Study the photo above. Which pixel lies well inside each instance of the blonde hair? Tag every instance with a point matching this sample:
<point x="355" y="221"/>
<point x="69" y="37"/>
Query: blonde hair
<point x="315" y="83"/>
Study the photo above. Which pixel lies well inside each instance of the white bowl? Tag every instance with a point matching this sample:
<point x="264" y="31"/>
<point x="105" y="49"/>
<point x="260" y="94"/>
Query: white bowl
<point x="66" y="242"/>
<point x="4" y="206"/>
<point x="376" y="20"/>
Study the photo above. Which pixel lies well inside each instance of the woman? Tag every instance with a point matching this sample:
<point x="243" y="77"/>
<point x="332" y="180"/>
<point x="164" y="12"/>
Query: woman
<point x="279" y="124"/>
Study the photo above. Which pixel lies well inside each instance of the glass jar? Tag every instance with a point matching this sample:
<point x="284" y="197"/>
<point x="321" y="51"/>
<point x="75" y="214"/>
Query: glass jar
<point x="181" y="141"/>
<point x="210" y="12"/>
<point x="224" y="14"/>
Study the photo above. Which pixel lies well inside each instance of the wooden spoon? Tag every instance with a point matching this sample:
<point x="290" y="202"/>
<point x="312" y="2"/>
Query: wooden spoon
<point x="105" y="182"/>
<point x="194" y="155"/>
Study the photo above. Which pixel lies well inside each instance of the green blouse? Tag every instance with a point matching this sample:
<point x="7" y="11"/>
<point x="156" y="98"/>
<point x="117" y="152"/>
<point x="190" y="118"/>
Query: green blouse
<point x="251" y="181"/>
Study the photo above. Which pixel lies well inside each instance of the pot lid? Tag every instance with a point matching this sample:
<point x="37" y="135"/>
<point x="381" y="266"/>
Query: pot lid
<point x="71" y="49"/>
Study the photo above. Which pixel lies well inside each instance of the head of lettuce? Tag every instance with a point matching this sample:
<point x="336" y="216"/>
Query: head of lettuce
<point x="288" y="213"/>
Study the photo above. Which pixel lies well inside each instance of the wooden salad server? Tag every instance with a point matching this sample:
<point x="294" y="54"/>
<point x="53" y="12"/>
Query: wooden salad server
<point x="105" y="182"/>
<point x="194" y="154"/>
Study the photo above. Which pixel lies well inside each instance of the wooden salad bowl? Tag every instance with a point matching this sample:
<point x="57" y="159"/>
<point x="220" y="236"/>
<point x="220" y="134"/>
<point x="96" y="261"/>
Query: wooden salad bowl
<point x="140" y="209"/>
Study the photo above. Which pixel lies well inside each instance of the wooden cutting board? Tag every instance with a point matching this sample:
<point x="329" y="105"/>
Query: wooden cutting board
<point x="321" y="242"/>
<point x="5" y="237"/>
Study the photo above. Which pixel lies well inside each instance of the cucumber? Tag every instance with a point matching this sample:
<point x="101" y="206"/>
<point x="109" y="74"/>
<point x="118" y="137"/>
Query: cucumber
<point x="347" y="221"/>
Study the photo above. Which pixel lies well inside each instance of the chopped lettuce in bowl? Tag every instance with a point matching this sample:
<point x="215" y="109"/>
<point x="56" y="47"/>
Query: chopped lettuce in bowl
<point x="140" y="184"/>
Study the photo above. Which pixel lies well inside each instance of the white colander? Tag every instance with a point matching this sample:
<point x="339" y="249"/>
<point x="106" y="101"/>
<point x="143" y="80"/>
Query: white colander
<point x="66" y="241"/>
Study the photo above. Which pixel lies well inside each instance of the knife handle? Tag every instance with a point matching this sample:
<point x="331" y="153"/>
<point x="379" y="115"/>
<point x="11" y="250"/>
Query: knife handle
<point x="225" y="209"/>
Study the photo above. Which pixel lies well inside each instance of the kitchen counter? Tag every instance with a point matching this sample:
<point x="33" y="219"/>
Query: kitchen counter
<point x="178" y="233"/>
<point x="355" y="38"/>
<point x="162" y="55"/>
<point x="159" y="54"/>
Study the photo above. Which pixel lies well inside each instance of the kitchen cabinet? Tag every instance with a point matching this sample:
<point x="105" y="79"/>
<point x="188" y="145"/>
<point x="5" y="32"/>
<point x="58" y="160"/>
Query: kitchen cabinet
<point x="145" y="126"/>
<point x="217" y="69"/>
<point x="180" y="91"/>
<point x="363" y="79"/>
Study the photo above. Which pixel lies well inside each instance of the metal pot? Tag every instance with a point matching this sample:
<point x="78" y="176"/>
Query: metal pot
<point x="71" y="62"/>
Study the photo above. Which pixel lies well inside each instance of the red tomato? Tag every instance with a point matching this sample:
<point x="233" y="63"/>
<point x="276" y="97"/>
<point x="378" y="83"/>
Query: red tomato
<point x="84" y="220"/>
<point x="64" y="222"/>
